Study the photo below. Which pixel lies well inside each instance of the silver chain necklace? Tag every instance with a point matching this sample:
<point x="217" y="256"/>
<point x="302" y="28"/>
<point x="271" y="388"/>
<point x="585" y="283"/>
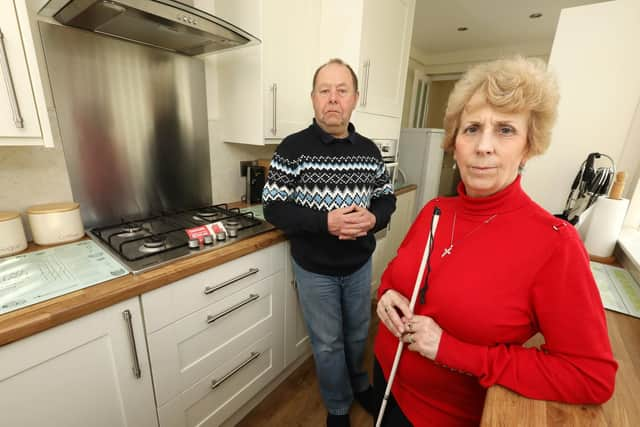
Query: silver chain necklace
<point x="447" y="251"/>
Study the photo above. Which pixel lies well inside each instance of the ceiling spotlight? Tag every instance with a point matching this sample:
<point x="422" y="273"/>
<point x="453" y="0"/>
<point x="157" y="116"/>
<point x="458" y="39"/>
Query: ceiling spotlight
<point x="462" y="28"/>
<point x="535" y="15"/>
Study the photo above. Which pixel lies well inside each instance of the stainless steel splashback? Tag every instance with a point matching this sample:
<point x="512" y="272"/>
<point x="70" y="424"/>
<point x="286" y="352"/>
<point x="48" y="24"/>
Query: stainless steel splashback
<point x="133" y="121"/>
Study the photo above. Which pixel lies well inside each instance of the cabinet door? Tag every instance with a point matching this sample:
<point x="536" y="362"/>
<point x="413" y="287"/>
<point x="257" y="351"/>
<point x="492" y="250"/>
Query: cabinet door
<point x="296" y="341"/>
<point x="399" y="224"/>
<point x="384" y="55"/>
<point x="378" y="260"/>
<point x="289" y="52"/>
<point x="18" y="112"/>
<point x="80" y="374"/>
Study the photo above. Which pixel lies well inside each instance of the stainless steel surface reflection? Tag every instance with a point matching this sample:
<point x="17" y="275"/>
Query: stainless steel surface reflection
<point x="133" y="122"/>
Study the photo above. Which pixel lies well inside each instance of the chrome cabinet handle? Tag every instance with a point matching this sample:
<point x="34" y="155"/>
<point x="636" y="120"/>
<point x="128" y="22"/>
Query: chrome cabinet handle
<point x="8" y="82"/>
<point x="213" y="317"/>
<point x="274" y="127"/>
<point x="134" y="352"/>
<point x="211" y="289"/>
<point x="217" y="383"/>
<point x="365" y="87"/>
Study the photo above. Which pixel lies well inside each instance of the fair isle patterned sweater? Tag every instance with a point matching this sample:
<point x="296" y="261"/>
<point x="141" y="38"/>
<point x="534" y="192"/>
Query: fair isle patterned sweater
<point x="313" y="173"/>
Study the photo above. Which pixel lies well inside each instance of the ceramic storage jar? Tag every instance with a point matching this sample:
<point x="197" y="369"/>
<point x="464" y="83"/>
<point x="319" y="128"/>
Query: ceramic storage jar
<point x="55" y="223"/>
<point x="12" y="238"/>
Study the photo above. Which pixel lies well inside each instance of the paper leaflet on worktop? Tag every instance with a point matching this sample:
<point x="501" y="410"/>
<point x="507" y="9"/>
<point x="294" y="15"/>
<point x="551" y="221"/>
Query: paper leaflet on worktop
<point x="33" y="277"/>
<point x="618" y="289"/>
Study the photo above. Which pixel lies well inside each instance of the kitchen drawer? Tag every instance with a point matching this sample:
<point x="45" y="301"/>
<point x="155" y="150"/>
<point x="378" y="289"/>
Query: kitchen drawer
<point x="246" y="372"/>
<point x="191" y="348"/>
<point x="169" y="303"/>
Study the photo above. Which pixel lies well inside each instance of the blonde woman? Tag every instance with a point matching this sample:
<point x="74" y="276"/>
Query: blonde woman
<point x="501" y="270"/>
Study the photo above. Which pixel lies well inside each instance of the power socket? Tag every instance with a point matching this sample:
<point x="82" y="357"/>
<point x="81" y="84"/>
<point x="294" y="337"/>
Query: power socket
<point x="243" y="166"/>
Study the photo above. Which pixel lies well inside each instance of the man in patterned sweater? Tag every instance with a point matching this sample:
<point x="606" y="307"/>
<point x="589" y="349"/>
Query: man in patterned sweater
<point x="329" y="191"/>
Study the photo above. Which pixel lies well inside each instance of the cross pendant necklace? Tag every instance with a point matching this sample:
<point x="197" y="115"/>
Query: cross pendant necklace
<point x="448" y="250"/>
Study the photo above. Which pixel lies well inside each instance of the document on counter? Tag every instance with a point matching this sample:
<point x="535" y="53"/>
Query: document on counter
<point x="38" y="276"/>
<point x="618" y="289"/>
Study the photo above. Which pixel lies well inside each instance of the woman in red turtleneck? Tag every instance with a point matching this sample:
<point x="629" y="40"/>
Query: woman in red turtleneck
<point x="501" y="269"/>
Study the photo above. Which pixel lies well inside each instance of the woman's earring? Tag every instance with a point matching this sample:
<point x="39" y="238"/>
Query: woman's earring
<point x="521" y="168"/>
<point x="454" y="166"/>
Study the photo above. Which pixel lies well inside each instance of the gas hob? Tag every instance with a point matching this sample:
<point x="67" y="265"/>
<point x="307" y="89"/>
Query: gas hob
<point x="146" y="243"/>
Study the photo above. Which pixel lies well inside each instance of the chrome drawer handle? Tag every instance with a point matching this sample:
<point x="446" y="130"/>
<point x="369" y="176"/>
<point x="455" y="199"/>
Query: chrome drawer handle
<point x="8" y="81"/>
<point x="214" y="317"/>
<point x="216" y="383"/>
<point x="134" y="352"/>
<point x="210" y="289"/>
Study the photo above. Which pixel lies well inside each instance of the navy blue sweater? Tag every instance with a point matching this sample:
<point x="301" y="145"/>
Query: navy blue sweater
<point x="313" y="173"/>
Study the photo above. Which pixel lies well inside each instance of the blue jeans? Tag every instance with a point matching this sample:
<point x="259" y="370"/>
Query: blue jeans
<point x="337" y="311"/>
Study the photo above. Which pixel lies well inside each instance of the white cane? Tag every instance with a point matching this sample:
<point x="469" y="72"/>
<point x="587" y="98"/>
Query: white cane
<point x="416" y="288"/>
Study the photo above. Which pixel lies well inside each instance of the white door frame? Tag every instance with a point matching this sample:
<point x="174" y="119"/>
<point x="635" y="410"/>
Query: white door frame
<point x="420" y="95"/>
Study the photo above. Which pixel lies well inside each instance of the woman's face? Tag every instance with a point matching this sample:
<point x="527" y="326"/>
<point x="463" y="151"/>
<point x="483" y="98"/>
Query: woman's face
<point x="489" y="147"/>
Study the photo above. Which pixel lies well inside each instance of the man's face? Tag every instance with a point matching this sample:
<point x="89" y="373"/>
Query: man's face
<point x="334" y="99"/>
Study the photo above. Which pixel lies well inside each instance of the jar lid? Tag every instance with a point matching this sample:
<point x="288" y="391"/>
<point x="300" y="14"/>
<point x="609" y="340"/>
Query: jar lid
<point x="7" y="215"/>
<point x="53" y="208"/>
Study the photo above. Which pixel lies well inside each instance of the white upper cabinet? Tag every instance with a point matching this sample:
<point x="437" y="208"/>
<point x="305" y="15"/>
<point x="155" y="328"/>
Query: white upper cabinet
<point x="374" y="37"/>
<point x="384" y="55"/>
<point x="264" y="91"/>
<point x="23" y="110"/>
<point x="289" y="58"/>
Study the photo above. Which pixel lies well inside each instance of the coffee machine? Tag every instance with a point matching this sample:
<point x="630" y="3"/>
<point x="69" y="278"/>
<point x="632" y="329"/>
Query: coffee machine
<point x="255" y="183"/>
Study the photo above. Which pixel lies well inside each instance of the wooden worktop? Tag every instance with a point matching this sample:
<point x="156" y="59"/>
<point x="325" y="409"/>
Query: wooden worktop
<point x="47" y="314"/>
<point x="505" y="408"/>
<point x="38" y="317"/>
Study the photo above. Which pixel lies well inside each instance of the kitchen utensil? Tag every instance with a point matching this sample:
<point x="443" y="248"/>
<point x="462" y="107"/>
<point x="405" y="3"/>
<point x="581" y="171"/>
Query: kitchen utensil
<point x="12" y="238"/>
<point x="618" y="186"/>
<point x="55" y="223"/>
<point x="588" y="185"/>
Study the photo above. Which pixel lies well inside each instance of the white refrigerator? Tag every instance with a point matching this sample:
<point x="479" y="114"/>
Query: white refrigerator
<point x="420" y="161"/>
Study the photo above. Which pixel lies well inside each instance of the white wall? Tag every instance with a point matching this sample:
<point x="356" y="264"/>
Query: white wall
<point x="32" y="176"/>
<point x="460" y="61"/>
<point x="630" y="160"/>
<point x="595" y="57"/>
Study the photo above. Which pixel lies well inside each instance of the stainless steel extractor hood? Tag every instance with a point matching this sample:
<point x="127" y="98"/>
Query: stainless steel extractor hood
<point x="166" y="24"/>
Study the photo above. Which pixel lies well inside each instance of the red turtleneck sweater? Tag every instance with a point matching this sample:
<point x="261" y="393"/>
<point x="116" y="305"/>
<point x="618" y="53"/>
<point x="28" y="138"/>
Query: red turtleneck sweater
<point x="523" y="272"/>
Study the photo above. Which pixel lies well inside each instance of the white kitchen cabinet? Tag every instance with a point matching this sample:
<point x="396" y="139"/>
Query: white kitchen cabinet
<point x="264" y="90"/>
<point x="24" y="116"/>
<point x="297" y="343"/>
<point x="376" y="42"/>
<point x="378" y="261"/>
<point x="387" y="247"/>
<point x="221" y="339"/>
<point x="400" y="223"/>
<point x="384" y="54"/>
<point x="82" y="373"/>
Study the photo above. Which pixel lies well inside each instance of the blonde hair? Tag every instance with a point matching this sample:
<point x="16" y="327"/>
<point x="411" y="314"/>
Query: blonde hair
<point x="509" y="85"/>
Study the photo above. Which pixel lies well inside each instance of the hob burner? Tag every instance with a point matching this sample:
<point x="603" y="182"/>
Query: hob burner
<point x="232" y="222"/>
<point x="131" y="229"/>
<point x="153" y="244"/>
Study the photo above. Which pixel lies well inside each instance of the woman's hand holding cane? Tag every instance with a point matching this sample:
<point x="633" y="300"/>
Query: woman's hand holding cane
<point x="392" y="308"/>
<point x="423" y="335"/>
